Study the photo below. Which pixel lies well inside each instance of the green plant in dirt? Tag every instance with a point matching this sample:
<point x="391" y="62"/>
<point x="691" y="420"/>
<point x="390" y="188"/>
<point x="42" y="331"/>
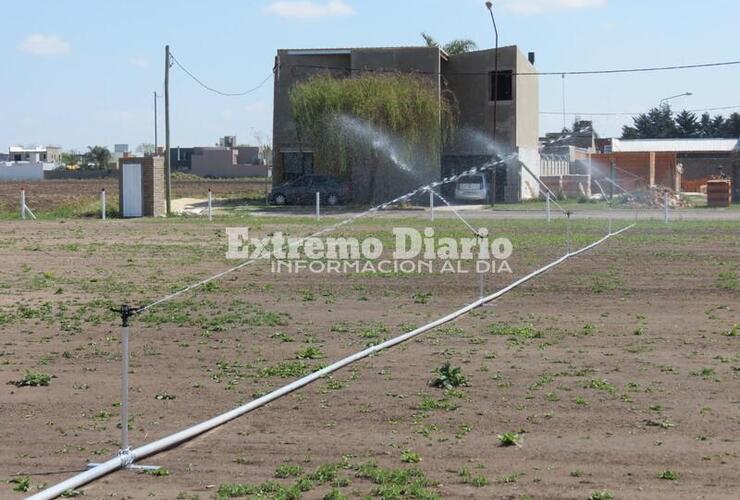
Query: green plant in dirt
<point x="22" y="484"/>
<point x="509" y="478"/>
<point x="510" y="439"/>
<point x="72" y="493"/>
<point x="448" y="377"/>
<point x="704" y="372"/>
<point x="727" y="280"/>
<point x="421" y="297"/>
<point x="468" y="478"/>
<point x="734" y="331"/>
<point x="668" y="475"/>
<point x="310" y="353"/>
<point x="160" y="472"/>
<point x="410" y="457"/>
<point x="522" y="332"/>
<point x="406" y="106"/>
<point x="164" y="396"/>
<point x="601" y="495"/>
<point x="600" y="384"/>
<point x="286" y="369"/>
<point x="288" y="470"/>
<point x="396" y="483"/>
<point x="605" y="281"/>
<point x="32" y="379"/>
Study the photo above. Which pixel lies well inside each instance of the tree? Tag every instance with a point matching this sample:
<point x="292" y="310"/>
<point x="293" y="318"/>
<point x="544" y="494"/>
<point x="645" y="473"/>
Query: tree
<point x="99" y="156"/>
<point x="687" y="125"/>
<point x="658" y="123"/>
<point x="661" y="123"/>
<point x="331" y="113"/>
<point x="264" y="143"/>
<point x="452" y="47"/>
<point x="70" y="157"/>
<point x="732" y="126"/>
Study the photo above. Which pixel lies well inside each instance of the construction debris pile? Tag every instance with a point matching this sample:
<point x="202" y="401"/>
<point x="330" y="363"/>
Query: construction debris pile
<point x="654" y="198"/>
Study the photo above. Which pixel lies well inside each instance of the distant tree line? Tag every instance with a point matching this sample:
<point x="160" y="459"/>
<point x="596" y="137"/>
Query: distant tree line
<point x="663" y="123"/>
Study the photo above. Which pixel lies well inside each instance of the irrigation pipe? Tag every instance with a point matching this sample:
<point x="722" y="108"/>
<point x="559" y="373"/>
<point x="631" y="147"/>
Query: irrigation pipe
<point x="125" y="459"/>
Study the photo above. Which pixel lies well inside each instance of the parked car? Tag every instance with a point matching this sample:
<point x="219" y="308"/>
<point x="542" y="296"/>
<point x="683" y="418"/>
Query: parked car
<point x="303" y="190"/>
<point x="472" y="188"/>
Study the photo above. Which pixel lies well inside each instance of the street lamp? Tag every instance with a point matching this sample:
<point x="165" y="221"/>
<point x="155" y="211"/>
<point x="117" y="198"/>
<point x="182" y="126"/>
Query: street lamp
<point x="489" y="6"/>
<point x="685" y="94"/>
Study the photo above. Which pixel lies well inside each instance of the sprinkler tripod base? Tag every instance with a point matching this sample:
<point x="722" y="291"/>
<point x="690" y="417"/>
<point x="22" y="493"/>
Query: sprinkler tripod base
<point x="127" y="462"/>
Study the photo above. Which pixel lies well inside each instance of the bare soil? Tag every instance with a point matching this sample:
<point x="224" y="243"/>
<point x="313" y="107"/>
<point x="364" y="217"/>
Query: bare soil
<point x="48" y="195"/>
<point x="615" y="368"/>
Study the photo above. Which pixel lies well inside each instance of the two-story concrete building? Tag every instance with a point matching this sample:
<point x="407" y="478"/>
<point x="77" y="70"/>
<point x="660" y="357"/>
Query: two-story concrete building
<point x="468" y="77"/>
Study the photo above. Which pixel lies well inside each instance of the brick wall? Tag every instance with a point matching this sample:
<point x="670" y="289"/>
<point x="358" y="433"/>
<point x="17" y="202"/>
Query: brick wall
<point x="153" y="195"/>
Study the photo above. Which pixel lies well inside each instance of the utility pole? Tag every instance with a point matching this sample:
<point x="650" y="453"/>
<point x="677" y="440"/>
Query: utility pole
<point x="155" y="124"/>
<point x="168" y="184"/>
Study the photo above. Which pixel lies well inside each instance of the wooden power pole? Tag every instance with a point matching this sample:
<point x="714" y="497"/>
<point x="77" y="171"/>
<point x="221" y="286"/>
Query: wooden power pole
<point x="168" y="183"/>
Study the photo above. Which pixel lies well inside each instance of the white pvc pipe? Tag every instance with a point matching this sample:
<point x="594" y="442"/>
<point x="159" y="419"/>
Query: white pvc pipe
<point x="431" y="205"/>
<point x="102" y="204"/>
<point x="23" y="204"/>
<point x="318" y="206"/>
<point x="547" y="207"/>
<point x="124" y="386"/>
<point x="210" y="205"/>
<point x="665" y="207"/>
<point x="166" y="442"/>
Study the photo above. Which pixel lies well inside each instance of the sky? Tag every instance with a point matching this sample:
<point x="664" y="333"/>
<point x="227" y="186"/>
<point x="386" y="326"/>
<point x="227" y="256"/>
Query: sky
<point x="84" y="72"/>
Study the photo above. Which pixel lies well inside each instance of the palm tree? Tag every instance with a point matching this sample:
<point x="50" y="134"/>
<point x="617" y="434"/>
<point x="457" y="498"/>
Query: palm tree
<point x="452" y="47"/>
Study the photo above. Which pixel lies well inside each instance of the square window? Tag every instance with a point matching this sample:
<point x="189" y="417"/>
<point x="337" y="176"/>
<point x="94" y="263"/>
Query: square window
<point x="502" y="87"/>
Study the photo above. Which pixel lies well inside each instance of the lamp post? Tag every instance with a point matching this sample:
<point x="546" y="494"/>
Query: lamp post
<point x="489" y="6"/>
<point x="666" y="99"/>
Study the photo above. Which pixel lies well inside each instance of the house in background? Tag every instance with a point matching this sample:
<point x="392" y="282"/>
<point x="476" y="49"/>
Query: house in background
<point x="44" y="154"/>
<point x="30" y="162"/>
<point x="469" y="77"/>
<point x="698" y="160"/>
<point x="217" y="161"/>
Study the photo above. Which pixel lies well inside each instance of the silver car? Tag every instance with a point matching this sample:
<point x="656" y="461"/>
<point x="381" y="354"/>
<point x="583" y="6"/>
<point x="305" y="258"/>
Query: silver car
<point x="471" y="188"/>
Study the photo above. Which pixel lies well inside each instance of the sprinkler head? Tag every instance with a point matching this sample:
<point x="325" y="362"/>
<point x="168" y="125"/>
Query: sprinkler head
<point x="489" y="5"/>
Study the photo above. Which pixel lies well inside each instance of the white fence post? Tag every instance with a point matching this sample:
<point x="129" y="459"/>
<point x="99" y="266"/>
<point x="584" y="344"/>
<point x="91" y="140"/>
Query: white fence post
<point x="102" y="204"/>
<point x="431" y="205"/>
<point x="665" y="207"/>
<point x="318" y="206"/>
<point x="210" y="205"/>
<point x="23" y="203"/>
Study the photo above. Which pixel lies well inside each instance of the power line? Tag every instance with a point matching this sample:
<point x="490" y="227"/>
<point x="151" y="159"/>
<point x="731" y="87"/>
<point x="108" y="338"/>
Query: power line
<point x="533" y="73"/>
<point x="216" y="91"/>
<point x="559" y="113"/>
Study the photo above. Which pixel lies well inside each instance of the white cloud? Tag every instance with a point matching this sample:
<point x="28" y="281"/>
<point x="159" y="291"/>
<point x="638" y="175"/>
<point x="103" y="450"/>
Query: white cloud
<point x="140" y="62"/>
<point x="39" y="44"/>
<point x="309" y="9"/>
<point x="533" y="7"/>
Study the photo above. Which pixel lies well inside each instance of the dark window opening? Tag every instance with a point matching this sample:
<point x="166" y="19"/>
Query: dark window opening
<point x="297" y="165"/>
<point x="502" y="88"/>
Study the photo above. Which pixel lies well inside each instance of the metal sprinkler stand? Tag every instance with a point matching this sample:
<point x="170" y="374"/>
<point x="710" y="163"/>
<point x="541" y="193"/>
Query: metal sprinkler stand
<point x="568" y="234"/>
<point x="127" y="458"/>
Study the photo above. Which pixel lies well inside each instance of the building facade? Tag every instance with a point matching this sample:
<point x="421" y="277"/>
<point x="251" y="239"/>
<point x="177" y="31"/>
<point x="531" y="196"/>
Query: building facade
<point x="468" y="79"/>
<point x="44" y="154"/>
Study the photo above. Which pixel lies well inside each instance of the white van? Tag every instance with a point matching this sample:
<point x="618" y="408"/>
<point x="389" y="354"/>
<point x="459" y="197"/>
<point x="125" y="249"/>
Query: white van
<point x="471" y="188"/>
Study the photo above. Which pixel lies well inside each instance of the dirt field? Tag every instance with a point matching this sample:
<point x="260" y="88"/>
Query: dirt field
<point x="616" y="373"/>
<point x="64" y="197"/>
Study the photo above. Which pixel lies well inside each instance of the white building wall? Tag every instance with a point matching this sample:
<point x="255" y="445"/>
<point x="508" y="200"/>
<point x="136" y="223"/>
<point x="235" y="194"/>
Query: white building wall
<point x="530" y="187"/>
<point x="12" y="171"/>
